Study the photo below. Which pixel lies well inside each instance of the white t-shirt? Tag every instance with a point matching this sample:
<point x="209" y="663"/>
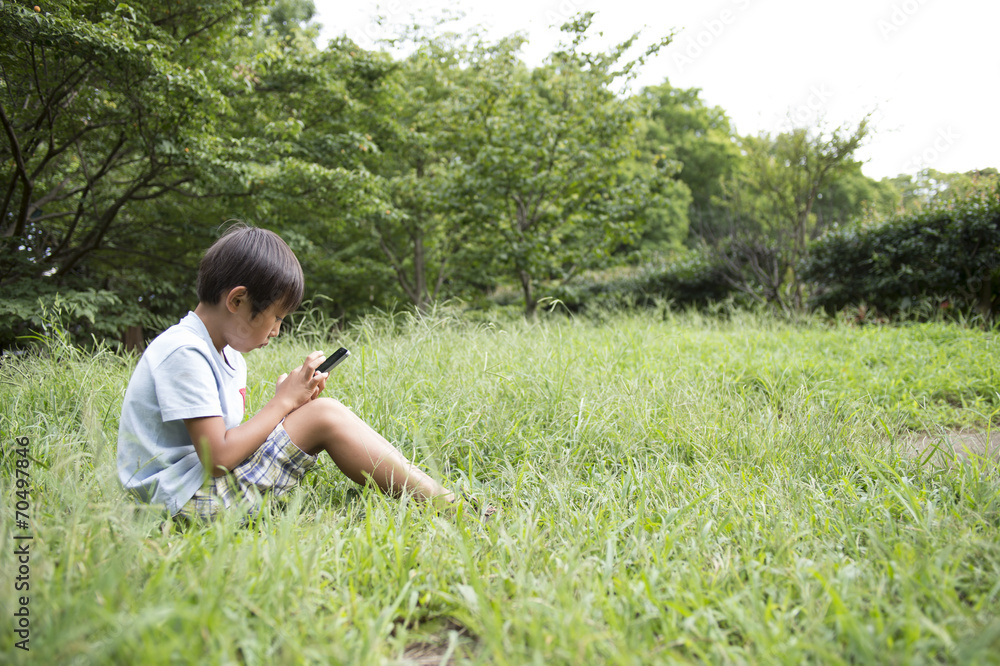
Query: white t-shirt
<point x="181" y="375"/>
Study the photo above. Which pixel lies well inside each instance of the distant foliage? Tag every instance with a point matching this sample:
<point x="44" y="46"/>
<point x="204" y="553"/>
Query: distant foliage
<point x="86" y="316"/>
<point x="134" y="133"/>
<point x="26" y="312"/>
<point x="947" y="255"/>
<point x="692" y="281"/>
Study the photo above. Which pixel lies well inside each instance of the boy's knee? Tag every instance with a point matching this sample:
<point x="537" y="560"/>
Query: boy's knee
<point x="312" y="424"/>
<point x="329" y="410"/>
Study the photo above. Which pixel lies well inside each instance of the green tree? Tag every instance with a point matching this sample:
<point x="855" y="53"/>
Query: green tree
<point x="101" y="106"/>
<point x="300" y="137"/>
<point x="942" y="257"/>
<point x="851" y="194"/>
<point x="543" y="171"/>
<point x="691" y="143"/>
<point x="772" y="204"/>
<point x="420" y="137"/>
<point x="104" y="105"/>
<point x="662" y="220"/>
<point x="292" y="19"/>
<point x="135" y="132"/>
<point x="911" y="196"/>
<point x="917" y="191"/>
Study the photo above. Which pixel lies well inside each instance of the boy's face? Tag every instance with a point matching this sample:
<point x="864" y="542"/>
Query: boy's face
<point x="249" y="332"/>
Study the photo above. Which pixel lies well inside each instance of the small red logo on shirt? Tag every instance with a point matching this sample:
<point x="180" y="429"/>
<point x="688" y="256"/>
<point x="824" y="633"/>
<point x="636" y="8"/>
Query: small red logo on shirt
<point x="243" y="392"/>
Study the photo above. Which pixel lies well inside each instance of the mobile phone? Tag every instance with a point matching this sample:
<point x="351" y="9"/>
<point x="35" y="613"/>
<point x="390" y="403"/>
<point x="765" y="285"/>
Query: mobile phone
<point x="333" y="360"/>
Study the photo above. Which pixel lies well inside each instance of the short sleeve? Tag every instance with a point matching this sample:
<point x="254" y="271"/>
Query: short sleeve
<point x="185" y="386"/>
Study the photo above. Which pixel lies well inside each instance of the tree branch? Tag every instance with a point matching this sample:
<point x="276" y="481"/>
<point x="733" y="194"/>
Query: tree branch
<point x="85" y="191"/>
<point x="396" y="266"/>
<point x="96" y="236"/>
<point x="17" y="229"/>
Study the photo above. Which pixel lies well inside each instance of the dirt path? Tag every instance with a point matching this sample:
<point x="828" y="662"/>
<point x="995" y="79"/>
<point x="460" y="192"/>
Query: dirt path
<point x="945" y="446"/>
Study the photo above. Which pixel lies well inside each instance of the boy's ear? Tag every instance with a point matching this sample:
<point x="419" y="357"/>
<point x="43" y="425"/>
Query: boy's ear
<point x="235" y="297"/>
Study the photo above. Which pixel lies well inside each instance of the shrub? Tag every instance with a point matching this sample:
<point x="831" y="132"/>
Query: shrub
<point x="948" y="255"/>
<point x="87" y="315"/>
<point x="693" y="281"/>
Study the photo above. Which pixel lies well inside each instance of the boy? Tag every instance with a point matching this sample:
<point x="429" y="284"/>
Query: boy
<point x="183" y="409"/>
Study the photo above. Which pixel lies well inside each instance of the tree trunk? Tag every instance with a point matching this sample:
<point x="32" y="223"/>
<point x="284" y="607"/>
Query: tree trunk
<point x="420" y="271"/>
<point x="134" y="339"/>
<point x="530" y="303"/>
<point x="986" y="297"/>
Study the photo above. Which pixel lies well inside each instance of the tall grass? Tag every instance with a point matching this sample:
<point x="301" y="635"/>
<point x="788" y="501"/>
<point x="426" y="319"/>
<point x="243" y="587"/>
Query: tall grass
<point x="676" y="490"/>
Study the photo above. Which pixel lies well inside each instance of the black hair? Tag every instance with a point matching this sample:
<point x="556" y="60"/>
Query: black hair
<point x="254" y="258"/>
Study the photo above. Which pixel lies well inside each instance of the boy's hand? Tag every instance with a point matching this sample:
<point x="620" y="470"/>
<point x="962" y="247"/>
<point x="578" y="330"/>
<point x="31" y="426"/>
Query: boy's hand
<point x="321" y="377"/>
<point x="302" y="384"/>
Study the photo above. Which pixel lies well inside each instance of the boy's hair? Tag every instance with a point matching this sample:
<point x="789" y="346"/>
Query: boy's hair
<point x="254" y="258"/>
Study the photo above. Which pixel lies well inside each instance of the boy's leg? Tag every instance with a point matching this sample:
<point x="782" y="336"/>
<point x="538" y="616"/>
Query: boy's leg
<point x="325" y="424"/>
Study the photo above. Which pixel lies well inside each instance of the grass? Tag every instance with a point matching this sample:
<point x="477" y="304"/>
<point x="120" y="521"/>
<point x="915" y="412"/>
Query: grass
<point x="673" y="490"/>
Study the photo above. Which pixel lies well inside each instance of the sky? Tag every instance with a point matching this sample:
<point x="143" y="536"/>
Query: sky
<point x="927" y="70"/>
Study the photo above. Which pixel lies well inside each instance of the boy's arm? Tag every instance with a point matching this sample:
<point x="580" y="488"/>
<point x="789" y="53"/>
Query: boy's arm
<point x="221" y="450"/>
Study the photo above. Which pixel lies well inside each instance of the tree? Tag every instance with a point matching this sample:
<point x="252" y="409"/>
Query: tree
<point x="771" y="202"/>
<point x="300" y="137"/>
<point x="851" y="194"/>
<point x="691" y="143"/>
<point x="292" y="19"/>
<point x="420" y="142"/>
<point x="101" y="107"/>
<point x="543" y="167"/>
<point x="136" y="132"/>
<point x="917" y="191"/>
<point x="104" y="106"/>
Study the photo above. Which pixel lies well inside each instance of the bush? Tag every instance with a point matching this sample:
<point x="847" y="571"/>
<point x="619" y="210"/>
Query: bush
<point x="87" y="315"/>
<point x="948" y="255"/>
<point x="693" y="281"/>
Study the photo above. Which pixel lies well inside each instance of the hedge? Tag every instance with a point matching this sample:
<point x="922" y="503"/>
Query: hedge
<point x="948" y="255"/>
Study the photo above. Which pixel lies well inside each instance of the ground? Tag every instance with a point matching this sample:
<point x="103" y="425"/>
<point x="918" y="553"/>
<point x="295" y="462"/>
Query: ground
<point x="947" y="446"/>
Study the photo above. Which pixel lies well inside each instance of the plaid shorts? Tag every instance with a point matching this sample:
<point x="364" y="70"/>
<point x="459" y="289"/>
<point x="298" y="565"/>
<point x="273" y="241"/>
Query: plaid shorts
<point x="273" y="469"/>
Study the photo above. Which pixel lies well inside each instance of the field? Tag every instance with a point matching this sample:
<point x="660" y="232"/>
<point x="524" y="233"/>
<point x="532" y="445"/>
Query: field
<point x="673" y="489"/>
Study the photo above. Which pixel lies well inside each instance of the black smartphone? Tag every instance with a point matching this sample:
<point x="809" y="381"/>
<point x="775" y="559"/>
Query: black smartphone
<point x="333" y="360"/>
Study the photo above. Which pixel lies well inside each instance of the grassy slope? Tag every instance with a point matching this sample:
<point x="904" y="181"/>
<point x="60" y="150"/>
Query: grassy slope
<point x="672" y="491"/>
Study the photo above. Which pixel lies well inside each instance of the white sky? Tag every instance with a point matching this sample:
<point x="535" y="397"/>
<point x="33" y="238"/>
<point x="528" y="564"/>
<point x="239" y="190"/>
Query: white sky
<point x="927" y="68"/>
